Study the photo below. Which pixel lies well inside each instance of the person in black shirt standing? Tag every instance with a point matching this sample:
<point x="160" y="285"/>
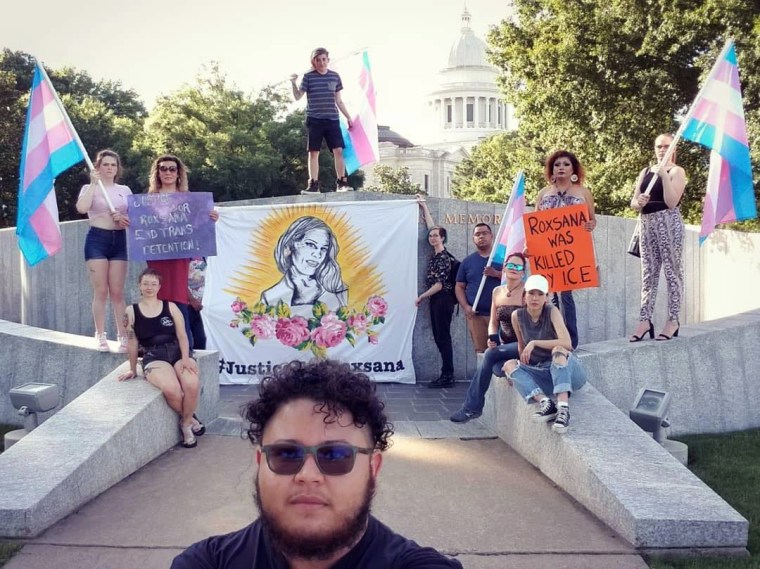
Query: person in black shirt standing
<point x="440" y="291"/>
<point x="319" y="431"/>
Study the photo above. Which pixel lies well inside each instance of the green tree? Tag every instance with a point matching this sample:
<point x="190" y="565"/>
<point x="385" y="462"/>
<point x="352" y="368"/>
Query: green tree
<point x="394" y="181"/>
<point x="236" y="146"/>
<point x="602" y="79"/>
<point x="104" y="115"/>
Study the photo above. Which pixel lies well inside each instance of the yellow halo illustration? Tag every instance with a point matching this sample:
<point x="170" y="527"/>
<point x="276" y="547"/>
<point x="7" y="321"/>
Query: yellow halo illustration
<point x="260" y="272"/>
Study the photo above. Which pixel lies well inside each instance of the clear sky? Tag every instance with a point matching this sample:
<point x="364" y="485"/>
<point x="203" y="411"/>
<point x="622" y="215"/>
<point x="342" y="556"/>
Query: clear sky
<point x="154" y="47"/>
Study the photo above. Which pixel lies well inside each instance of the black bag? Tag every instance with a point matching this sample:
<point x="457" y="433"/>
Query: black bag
<point x="633" y="246"/>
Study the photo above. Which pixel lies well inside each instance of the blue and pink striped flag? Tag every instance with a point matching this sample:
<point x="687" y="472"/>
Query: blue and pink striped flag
<point x="50" y="147"/>
<point x="511" y="235"/>
<point x="716" y="120"/>
<point x="361" y="141"/>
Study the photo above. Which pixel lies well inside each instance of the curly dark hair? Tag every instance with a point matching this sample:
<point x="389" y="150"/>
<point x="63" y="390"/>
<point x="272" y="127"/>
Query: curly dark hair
<point x="333" y="385"/>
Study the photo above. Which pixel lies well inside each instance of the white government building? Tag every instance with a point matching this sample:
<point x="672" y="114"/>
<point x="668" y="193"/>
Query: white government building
<point x="466" y="108"/>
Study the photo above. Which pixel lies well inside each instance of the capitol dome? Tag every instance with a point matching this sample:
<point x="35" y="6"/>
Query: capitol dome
<point x="469" y="50"/>
<point x="467" y="105"/>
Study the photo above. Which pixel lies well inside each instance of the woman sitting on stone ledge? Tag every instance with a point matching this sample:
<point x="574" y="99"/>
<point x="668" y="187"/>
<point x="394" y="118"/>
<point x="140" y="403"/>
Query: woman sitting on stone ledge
<point x="502" y="340"/>
<point x="159" y="328"/>
<point x="546" y="363"/>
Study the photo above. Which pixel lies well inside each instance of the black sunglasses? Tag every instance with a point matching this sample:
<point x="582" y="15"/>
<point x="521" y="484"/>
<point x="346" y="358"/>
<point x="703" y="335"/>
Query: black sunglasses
<point x="333" y="459"/>
<point x="167" y="168"/>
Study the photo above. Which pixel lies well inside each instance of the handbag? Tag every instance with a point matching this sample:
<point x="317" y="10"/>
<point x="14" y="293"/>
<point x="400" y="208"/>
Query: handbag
<point x="633" y="246"/>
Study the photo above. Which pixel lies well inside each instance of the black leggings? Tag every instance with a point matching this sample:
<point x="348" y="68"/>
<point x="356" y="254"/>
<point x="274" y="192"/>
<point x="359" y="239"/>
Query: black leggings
<point x="441" y="311"/>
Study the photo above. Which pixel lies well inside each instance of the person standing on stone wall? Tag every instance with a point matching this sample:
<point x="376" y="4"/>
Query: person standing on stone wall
<point x="105" y="247"/>
<point x="662" y="236"/>
<point x="322" y="88"/>
<point x="471" y="272"/>
<point x="441" y="295"/>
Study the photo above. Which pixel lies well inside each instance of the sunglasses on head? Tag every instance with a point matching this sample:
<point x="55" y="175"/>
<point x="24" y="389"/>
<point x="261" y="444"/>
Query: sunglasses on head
<point x="514" y="266"/>
<point x="333" y="459"/>
<point x="167" y="169"/>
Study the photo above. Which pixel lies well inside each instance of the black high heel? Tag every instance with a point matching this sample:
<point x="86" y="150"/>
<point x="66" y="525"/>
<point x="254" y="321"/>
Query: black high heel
<point x="635" y="338"/>
<point x="664" y="337"/>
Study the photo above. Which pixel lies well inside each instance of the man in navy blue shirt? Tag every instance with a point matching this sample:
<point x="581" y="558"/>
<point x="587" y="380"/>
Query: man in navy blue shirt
<point x="470" y="274"/>
<point x="319" y="430"/>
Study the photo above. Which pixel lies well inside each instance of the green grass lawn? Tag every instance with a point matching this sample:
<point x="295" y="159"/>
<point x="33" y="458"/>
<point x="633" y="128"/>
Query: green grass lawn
<point x="4" y="429"/>
<point x="7" y="550"/>
<point x="728" y="463"/>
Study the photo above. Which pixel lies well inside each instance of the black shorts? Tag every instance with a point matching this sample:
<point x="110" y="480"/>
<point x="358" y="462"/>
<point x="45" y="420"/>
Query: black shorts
<point x="169" y="353"/>
<point x="323" y="129"/>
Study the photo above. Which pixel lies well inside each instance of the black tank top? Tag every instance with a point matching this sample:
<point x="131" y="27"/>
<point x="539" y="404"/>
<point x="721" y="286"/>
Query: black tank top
<point x="155" y="331"/>
<point x="541" y="330"/>
<point x="656" y="196"/>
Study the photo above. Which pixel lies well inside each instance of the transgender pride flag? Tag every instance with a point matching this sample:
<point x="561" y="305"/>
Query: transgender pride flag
<point x="51" y="146"/>
<point x="716" y="120"/>
<point x="359" y="93"/>
<point x="511" y="235"/>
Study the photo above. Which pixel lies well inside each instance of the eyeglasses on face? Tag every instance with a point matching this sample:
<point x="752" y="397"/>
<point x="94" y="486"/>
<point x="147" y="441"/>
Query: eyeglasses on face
<point x="171" y="169"/>
<point x="514" y="266"/>
<point x="334" y="459"/>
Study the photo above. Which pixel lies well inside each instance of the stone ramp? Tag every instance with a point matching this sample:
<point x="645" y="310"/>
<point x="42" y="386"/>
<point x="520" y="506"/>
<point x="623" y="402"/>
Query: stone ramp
<point x="476" y="500"/>
<point x="621" y="475"/>
<point x="100" y="438"/>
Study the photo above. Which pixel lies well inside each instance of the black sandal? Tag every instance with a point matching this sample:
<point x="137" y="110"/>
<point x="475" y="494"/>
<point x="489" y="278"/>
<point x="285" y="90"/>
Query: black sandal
<point x="200" y="430"/>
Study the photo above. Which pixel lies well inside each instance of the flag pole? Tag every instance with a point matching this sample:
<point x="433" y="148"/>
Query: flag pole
<point x="341" y="58"/>
<point x="496" y="242"/>
<point x="78" y="140"/>
<point x="685" y="121"/>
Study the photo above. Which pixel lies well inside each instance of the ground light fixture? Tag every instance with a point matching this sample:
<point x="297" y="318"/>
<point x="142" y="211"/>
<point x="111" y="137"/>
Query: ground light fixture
<point x="649" y="411"/>
<point x="30" y="399"/>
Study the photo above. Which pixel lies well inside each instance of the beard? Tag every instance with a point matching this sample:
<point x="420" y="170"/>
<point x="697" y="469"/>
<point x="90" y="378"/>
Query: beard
<point x="316" y="547"/>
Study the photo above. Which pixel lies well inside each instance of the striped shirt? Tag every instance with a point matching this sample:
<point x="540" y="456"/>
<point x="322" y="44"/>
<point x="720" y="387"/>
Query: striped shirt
<point x="320" y="94"/>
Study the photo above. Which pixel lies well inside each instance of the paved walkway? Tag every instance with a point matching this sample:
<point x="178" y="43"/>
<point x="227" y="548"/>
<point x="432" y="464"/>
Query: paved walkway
<point x="474" y="499"/>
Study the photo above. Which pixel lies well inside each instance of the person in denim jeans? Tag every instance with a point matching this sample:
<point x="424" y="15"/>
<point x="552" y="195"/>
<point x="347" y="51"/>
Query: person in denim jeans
<point x="546" y="364"/>
<point x="502" y="339"/>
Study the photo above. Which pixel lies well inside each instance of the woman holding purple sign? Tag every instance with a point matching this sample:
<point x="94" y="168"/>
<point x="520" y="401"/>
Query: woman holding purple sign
<point x="168" y="174"/>
<point x="105" y="247"/>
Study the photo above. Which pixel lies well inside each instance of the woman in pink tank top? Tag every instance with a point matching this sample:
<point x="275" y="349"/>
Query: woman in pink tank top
<point x="105" y="248"/>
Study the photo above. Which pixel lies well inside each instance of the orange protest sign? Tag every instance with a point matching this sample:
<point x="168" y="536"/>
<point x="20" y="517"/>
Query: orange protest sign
<point x="560" y="248"/>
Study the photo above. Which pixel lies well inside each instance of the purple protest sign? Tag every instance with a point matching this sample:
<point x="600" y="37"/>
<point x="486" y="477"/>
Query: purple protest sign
<point x="170" y="226"/>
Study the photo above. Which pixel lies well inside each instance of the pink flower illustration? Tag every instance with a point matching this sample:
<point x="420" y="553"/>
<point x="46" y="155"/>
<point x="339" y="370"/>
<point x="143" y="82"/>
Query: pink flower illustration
<point x="235" y="323"/>
<point x="238" y="306"/>
<point x="358" y="322"/>
<point x="377" y="306"/>
<point x="372" y="339"/>
<point x="263" y="327"/>
<point x="292" y="331"/>
<point x="331" y="332"/>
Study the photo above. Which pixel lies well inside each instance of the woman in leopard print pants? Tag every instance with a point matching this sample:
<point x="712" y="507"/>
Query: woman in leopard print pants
<point x="662" y="235"/>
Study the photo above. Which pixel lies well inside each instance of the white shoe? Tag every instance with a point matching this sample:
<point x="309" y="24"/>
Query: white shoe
<point x="102" y="341"/>
<point x="122" y="344"/>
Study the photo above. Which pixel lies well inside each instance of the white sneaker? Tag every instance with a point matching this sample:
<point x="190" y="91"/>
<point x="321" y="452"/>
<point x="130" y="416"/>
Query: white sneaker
<point x="122" y="344"/>
<point x="102" y="341"/>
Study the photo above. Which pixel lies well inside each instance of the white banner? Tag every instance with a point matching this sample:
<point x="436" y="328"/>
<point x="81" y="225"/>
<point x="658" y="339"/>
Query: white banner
<point x="327" y="280"/>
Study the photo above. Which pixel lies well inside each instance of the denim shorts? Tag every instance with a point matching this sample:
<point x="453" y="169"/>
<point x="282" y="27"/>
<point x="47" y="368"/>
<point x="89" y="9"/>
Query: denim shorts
<point x="108" y="244"/>
<point x="326" y="129"/>
<point x="169" y="353"/>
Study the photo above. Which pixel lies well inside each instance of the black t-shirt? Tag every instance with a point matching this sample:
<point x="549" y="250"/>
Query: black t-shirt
<point x="250" y="548"/>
